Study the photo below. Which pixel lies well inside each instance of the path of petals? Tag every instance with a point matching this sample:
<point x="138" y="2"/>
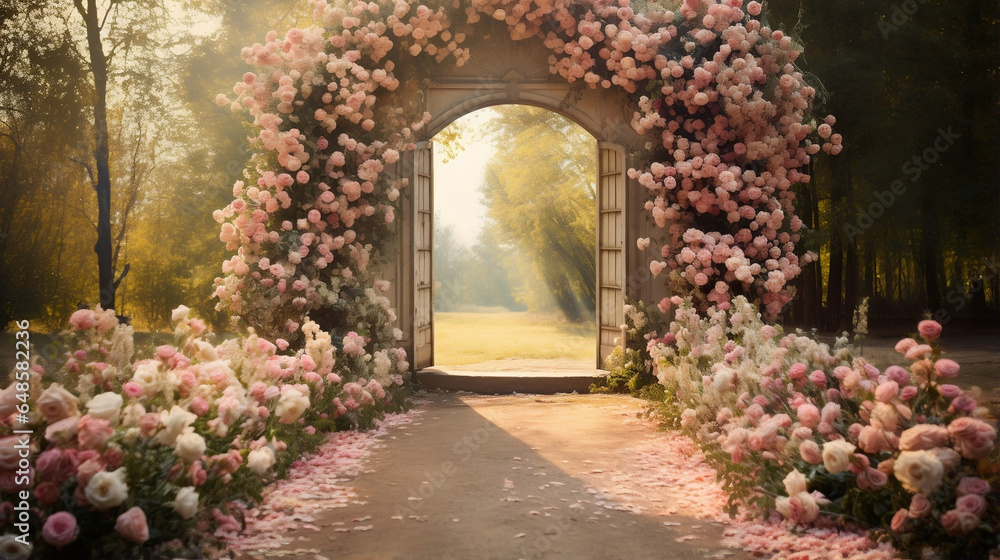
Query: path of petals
<point x="314" y="484"/>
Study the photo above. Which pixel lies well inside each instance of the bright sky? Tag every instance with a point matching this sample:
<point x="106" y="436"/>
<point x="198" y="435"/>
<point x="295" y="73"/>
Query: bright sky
<point x="456" y="184"/>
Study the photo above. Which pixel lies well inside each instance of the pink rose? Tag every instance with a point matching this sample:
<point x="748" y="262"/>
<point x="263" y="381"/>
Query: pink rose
<point x="53" y="465"/>
<point x="872" y="439"/>
<point x="198" y="406"/>
<point x="928" y="329"/>
<point x="797" y="371"/>
<point x="132" y="525"/>
<point x="972" y="503"/>
<point x="903" y="346"/>
<point x="959" y="523"/>
<point x="60" y="529"/>
<point x="818" y="378"/>
<point x="908" y="392"/>
<point x="886" y="391"/>
<point x="810" y="453"/>
<point x="949" y="391"/>
<point x="973" y="438"/>
<point x="920" y="506"/>
<point x="918" y="351"/>
<point x="87" y="470"/>
<point x="962" y="403"/>
<point x="82" y="319"/>
<point x="148" y="423"/>
<point x="93" y="433"/>
<point x="946" y="368"/>
<point x="830" y="413"/>
<point x="972" y="485"/>
<point x="899" y="520"/>
<point x="808" y="415"/>
<point x="47" y="493"/>
<point x="923" y="436"/>
<point x="132" y="389"/>
<point x="898" y="374"/>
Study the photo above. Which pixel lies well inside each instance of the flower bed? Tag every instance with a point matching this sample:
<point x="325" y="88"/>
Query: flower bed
<point x="151" y="454"/>
<point x="825" y="438"/>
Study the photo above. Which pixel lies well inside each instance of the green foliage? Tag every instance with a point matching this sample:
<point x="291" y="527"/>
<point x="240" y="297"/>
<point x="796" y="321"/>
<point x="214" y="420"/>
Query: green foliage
<point x="539" y="192"/>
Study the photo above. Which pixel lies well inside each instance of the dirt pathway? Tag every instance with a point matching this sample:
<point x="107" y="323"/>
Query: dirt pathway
<point x="565" y="476"/>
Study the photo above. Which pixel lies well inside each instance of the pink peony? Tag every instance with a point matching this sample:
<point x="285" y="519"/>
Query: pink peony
<point x="60" y="529"/>
<point x="908" y="392"/>
<point x="132" y="526"/>
<point x="808" y="415"/>
<point x="929" y="330"/>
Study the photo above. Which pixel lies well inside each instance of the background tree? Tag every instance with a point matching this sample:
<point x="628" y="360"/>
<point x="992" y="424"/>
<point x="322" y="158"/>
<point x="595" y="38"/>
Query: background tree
<point x="539" y="195"/>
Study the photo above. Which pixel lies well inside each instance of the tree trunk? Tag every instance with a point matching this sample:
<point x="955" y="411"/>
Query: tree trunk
<point x="99" y="68"/>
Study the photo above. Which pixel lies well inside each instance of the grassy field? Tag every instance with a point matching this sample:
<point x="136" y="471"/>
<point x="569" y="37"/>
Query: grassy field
<point x="468" y="338"/>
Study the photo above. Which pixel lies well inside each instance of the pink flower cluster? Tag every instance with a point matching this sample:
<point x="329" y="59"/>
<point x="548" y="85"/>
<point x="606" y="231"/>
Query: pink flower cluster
<point x="176" y="405"/>
<point x="804" y="408"/>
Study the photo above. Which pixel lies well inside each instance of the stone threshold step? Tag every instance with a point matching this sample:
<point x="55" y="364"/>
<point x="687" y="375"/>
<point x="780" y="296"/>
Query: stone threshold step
<point x="506" y="382"/>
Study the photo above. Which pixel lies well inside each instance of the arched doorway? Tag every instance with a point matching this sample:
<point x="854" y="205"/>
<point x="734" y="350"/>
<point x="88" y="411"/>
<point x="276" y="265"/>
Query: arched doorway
<point x="505" y="71"/>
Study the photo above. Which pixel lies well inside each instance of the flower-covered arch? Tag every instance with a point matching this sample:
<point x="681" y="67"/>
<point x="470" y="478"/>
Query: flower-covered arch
<point x="720" y="114"/>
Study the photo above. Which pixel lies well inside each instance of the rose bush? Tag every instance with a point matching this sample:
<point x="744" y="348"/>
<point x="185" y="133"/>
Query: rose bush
<point x="118" y="472"/>
<point x="821" y="436"/>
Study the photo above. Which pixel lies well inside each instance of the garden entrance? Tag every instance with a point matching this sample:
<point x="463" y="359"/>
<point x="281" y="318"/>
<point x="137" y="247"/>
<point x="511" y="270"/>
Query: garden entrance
<point x="504" y="71"/>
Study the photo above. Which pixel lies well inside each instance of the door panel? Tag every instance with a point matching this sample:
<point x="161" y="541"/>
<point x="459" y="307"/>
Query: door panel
<point x="423" y="246"/>
<point x="611" y="180"/>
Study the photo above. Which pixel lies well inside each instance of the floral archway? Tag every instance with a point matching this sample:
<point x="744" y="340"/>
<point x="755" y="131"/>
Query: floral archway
<point x="729" y="132"/>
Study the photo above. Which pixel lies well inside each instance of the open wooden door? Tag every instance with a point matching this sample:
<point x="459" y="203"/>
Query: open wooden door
<point x="611" y="181"/>
<point x="423" y="247"/>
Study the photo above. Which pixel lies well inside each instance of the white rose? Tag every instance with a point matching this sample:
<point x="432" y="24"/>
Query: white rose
<point x="56" y="403"/>
<point x="837" y="455"/>
<point x="12" y="549"/>
<point x="189" y="446"/>
<point x="179" y="314"/>
<point x="107" y="406"/>
<point x="132" y="414"/>
<point x="107" y="489"/>
<point x="919" y="471"/>
<point x="147" y="375"/>
<point x="186" y="502"/>
<point x="206" y="352"/>
<point x="259" y="460"/>
<point x="291" y="405"/>
<point x="795" y="483"/>
<point x="174" y="424"/>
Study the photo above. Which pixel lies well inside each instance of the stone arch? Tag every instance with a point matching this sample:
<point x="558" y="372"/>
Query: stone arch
<point x="503" y="71"/>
